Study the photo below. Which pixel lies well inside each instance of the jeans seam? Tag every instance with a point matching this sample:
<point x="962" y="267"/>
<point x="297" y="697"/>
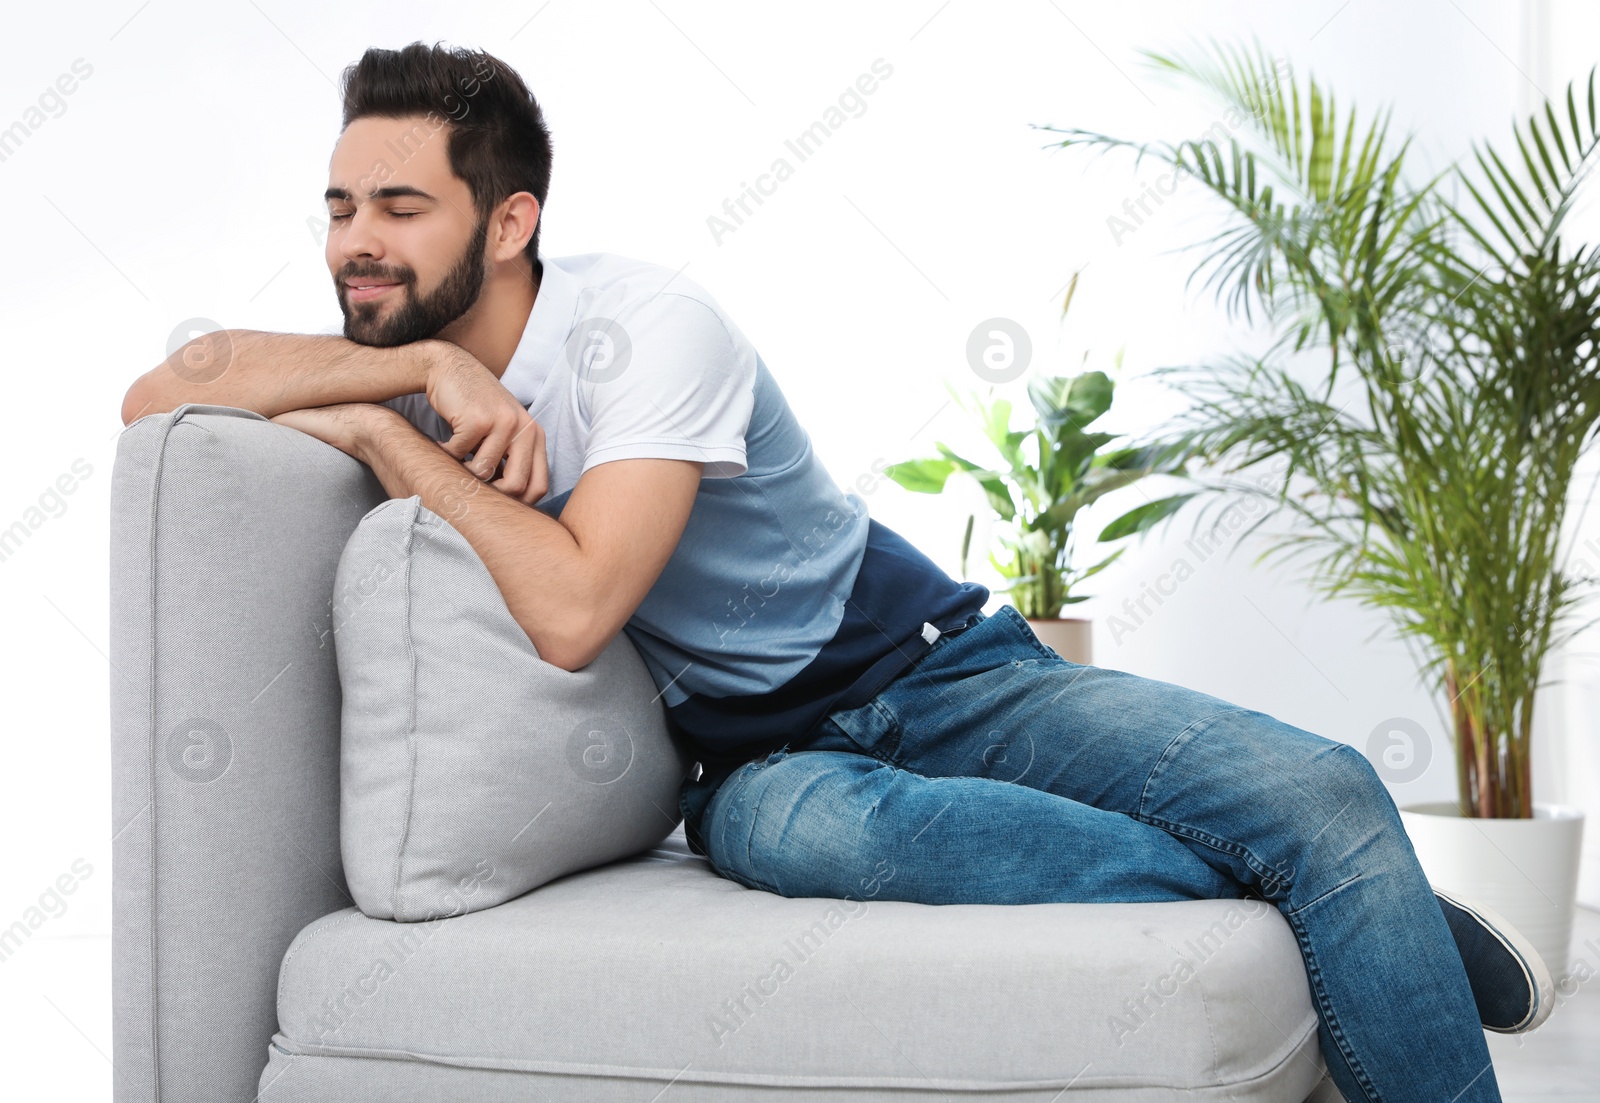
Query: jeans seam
<point x="749" y="829"/>
<point x="1257" y="864"/>
<point x="734" y="875"/>
<point x="1189" y="731"/>
<point x="1025" y="634"/>
<point x="1348" y="880"/>
<point x="1261" y="869"/>
<point x="753" y="883"/>
<point x="1335" y="1031"/>
<point x="1313" y="971"/>
<point x="740" y="879"/>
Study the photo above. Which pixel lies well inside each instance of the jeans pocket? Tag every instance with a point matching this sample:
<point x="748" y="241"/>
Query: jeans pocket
<point x="1023" y="634"/>
<point x="871" y="729"/>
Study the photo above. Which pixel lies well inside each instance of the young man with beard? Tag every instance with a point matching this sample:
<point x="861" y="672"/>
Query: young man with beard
<point x="622" y="460"/>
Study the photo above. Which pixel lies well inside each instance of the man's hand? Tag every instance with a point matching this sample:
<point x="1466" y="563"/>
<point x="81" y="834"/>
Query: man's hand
<point x="570" y="583"/>
<point x="348" y="426"/>
<point x="486" y="422"/>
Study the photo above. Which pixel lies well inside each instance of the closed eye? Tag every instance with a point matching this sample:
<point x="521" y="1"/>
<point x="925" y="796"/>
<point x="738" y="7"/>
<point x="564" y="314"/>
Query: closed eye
<point x="397" y="214"/>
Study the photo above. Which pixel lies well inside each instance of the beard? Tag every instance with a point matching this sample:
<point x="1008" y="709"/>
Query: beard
<point x="417" y="318"/>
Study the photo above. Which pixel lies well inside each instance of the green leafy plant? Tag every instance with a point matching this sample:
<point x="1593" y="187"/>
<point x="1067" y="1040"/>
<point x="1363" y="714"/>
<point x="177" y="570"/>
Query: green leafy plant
<point x="1047" y="474"/>
<point x="1428" y="460"/>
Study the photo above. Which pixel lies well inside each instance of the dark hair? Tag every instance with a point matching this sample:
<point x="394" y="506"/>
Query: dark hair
<point x="498" y="142"/>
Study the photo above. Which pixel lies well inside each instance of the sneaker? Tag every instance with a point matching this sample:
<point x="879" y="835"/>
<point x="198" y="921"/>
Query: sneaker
<point x="1509" y="979"/>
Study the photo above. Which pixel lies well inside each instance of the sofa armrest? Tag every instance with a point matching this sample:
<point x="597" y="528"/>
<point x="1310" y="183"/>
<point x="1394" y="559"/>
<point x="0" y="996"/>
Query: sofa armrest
<point x="225" y="533"/>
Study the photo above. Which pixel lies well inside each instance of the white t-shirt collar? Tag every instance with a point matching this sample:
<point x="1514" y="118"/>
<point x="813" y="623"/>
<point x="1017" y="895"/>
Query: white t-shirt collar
<point x="544" y="338"/>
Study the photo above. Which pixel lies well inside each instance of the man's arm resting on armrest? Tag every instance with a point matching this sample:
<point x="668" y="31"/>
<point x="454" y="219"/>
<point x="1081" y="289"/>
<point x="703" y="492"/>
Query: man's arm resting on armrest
<point x="570" y="583"/>
<point x="274" y="372"/>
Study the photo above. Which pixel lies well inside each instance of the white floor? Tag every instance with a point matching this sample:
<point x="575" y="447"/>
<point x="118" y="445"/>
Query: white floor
<point x="55" y="1025"/>
<point x="1560" y="1060"/>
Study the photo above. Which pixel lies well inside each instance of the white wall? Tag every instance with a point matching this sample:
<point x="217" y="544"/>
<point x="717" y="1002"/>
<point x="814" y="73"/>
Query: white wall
<point x="180" y="178"/>
<point x="1558" y="37"/>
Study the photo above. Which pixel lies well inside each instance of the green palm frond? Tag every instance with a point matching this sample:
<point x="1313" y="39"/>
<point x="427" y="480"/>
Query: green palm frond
<point x="1434" y="484"/>
<point x="1527" y="201"/>
<point x="1322" y="223"/>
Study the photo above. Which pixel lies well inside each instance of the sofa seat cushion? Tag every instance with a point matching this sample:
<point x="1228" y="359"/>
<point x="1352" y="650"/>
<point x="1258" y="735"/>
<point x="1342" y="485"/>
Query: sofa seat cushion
<point x="617" y="981"/>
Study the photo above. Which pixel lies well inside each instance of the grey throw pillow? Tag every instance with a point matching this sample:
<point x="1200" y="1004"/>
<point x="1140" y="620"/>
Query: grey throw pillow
<point x="471" y="770"/>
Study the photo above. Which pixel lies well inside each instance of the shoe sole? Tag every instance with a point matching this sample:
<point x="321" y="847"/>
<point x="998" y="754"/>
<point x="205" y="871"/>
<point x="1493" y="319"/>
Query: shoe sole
<point x="1534" y="970"/>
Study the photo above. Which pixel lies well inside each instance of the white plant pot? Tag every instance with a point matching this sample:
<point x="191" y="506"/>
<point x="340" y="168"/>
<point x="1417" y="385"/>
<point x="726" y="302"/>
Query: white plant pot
<point x="1070" y="637"/>
<point x="1527" y="870"/>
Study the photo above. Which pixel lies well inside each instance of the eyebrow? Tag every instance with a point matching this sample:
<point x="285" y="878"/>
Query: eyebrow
<point x="392" y="192"/>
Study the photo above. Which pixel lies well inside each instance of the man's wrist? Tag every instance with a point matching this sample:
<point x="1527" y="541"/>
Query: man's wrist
<point x="421" y="358"/>
<point x="376" y="423"/>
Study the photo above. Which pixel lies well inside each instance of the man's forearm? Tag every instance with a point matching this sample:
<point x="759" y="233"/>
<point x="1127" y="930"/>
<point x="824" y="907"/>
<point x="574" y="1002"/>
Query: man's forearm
<point x="274" y="372"/>
<point x="532" y="557"/>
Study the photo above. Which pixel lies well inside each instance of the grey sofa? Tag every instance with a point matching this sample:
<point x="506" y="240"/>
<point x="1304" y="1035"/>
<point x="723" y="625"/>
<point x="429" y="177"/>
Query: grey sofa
<point x="242" y="970"/>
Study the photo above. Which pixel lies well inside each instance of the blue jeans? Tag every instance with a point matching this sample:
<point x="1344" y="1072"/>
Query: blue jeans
<point x="994" y="771"/>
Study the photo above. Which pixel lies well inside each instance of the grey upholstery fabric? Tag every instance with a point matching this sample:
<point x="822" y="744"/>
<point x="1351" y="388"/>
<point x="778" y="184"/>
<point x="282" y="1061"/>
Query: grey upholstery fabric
<point x="225" y="532"/>
<point x="612" y="983"/>
<point x="600" y="985"/>
<point x="472" y="770"/>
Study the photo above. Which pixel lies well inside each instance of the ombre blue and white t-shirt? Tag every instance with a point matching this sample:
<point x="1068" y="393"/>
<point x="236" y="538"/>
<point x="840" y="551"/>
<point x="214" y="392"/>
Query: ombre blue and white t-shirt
<point x="783" y="600"/>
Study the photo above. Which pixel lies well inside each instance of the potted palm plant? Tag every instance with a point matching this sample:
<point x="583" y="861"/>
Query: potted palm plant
<point x="1047" y="474"/>
<point x="1431" y="453"/>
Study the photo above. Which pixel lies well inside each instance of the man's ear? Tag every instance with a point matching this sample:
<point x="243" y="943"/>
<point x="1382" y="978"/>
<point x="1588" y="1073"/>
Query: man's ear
<point x="515" y="220"/>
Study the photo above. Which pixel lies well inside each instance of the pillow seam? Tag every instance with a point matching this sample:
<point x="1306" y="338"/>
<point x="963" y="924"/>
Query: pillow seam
<point x="411" y="720"/>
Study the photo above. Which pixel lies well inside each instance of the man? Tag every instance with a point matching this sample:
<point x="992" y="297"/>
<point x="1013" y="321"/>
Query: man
<point x="622" y="460"/>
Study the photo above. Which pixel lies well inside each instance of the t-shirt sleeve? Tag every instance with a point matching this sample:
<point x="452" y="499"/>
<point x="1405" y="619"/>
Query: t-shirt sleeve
<point x="413" y="407"/>
<point x="671" y="382"/>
